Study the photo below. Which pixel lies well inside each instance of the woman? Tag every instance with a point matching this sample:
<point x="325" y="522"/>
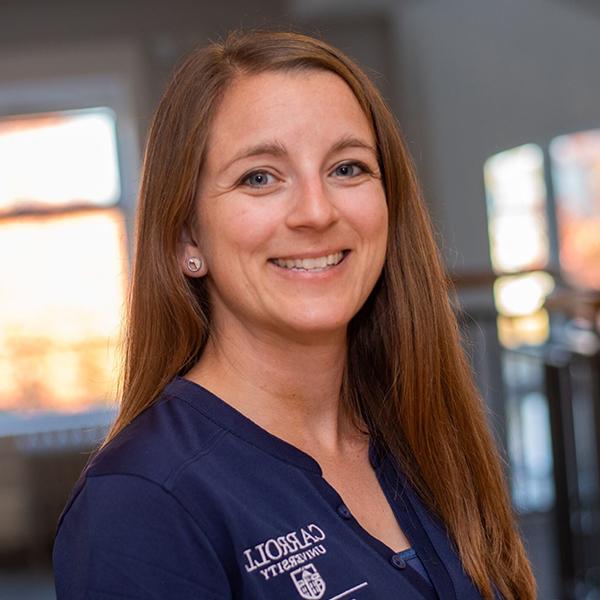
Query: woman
<point x="298" y="419"/>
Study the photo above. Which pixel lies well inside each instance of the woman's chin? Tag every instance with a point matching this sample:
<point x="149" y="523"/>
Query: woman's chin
<point x="314" y="329"/>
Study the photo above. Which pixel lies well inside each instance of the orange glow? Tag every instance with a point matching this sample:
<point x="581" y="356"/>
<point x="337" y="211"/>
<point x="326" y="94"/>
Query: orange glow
<point x="576" y="174"/>
<point x="532" y="329"/>
<point x="580" y="249"/>
<point x="63" y="281"/>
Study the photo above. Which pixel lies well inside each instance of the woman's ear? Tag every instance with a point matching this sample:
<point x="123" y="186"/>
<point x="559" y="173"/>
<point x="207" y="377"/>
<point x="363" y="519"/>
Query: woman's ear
<point x="190" y="256"/>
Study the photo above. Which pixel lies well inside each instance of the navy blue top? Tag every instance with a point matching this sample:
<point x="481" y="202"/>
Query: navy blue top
<point x="195" y="501"/>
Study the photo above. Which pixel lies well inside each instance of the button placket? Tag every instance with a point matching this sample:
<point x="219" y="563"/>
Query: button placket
<point x="398" y="562"/>
<point x="344" y="512"/>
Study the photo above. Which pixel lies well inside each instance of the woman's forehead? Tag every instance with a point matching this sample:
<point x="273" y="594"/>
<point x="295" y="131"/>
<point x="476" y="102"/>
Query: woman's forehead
<point x="286" y="108"/>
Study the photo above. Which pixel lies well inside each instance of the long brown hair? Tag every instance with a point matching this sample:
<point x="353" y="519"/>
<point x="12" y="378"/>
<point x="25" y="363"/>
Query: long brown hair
<point x="406" y="377"/>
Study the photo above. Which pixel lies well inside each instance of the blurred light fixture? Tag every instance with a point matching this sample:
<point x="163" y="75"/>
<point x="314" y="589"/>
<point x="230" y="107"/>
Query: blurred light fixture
<point x="521" y="295"/>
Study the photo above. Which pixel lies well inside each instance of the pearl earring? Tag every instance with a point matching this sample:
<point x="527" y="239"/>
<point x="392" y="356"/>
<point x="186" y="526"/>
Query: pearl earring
<point x="194" y="264"/>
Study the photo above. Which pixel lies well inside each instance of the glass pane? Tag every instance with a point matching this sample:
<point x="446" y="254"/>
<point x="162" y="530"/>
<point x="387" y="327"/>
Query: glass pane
<point x="63" y="281"/>
<point x="576" y="176"/>
<point x="518" y="241"/>
<point x="58" y="160"/>
<point x="528" y="432"/>
<point x="515" y="181"/>
<point x="516" y="209"/>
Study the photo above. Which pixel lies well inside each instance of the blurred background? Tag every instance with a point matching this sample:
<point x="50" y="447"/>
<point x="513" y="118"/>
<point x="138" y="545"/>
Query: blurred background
<point x="500" y="105"/>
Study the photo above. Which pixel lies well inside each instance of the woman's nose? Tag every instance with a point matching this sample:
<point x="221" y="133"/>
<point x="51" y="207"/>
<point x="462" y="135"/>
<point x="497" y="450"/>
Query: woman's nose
<point x="312" y="206"/>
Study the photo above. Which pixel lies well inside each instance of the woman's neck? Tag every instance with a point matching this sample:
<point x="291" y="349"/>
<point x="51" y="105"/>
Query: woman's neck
<point x="290" y="388"/>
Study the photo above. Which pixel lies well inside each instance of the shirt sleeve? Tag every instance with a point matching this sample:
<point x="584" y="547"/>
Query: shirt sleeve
<point x="125" y="537"/>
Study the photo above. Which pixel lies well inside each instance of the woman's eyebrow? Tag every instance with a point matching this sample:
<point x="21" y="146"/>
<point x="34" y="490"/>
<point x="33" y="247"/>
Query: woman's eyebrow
<point x="273" y="148"/>
<point x="276" y="148"/>
<point x="350" y="141"/>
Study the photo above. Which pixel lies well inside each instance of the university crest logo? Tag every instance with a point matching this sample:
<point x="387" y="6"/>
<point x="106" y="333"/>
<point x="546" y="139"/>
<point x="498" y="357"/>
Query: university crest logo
<point x="308" y="582"/>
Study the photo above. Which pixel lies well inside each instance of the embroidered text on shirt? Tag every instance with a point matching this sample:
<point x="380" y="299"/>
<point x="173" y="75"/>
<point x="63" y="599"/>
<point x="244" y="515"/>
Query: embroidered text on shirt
<point x="299" y="545"/>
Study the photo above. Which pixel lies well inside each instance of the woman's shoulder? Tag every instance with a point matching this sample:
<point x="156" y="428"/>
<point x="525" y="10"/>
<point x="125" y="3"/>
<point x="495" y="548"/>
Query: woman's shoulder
<point x="124" y="531"/>
<point x="142" y="465"/>
<point x="157" y="443"/>
<point x="153" y="450"/>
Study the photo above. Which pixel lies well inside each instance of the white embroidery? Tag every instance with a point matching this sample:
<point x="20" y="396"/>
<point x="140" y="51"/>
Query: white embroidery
<point x="300" y="545"/>
<point x="308" y="582"/>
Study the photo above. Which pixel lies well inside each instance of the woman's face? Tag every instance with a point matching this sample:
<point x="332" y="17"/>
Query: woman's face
<point x="292" y="215"/>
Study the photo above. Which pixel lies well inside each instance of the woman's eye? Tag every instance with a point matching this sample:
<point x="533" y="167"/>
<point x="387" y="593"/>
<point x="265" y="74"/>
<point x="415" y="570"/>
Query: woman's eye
<point x="258" y="179"/>
<point x="349" y="170"/>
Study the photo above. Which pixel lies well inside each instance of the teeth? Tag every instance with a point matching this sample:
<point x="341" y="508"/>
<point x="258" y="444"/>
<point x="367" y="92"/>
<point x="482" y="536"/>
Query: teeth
<point x="310" y="264"/>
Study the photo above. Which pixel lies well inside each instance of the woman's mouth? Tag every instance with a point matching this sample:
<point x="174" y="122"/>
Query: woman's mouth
<point x="319" y="263"/>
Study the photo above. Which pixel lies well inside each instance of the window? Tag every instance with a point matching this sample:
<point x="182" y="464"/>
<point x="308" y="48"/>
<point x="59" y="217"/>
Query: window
<point x="519" y="243"/>
<point x="575" y="161"/>
<point x="57" y="160"/>
<point x="64" y="260"/>
<point x="520" y="248"/>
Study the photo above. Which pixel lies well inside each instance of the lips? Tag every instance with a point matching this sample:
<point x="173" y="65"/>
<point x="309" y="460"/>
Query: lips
<point x="318" y="263"/>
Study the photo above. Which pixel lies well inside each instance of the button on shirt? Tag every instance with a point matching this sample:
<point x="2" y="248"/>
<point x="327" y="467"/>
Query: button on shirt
<point x="194" y="500"/>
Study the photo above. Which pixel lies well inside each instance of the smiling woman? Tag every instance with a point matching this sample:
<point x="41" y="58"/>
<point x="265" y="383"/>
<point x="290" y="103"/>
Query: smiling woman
<point x="293" y="229"/>
<point x="298" y="419"/>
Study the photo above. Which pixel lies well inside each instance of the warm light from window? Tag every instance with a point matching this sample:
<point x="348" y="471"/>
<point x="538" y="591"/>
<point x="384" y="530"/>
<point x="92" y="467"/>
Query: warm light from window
<point x="576" y="177"/>
<point x="518" y="233"/>
<point x="516" y="206"/>
<point x="58" y="160"/>
<point x="522" y="295"/>
<point x="62" y="286"/>
<point x="532" y="329"/>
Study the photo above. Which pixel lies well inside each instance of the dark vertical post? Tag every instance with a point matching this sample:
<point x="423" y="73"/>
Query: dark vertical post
<point x="558" y="392"/>
<point x="594" y="366"/>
